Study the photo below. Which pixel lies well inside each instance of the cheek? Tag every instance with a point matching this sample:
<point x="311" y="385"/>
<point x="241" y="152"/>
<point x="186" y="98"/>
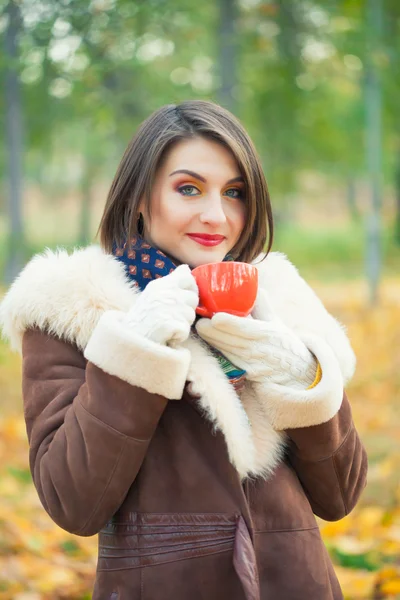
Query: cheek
<point x="172" y="214"/>
<point x="238" y="217"/>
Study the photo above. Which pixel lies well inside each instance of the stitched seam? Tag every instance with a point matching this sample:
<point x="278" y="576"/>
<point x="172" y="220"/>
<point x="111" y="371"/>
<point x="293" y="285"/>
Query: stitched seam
<point x="105" y="489"/>
<point x="132" y="527"/>
<point x="163" y="533"/>
<point x="112" y="428"/>
<point x="340" y="485"/>
<point x="171" y="543"/>
<point x="310" y="460"/>
<point x="287" y="530"/>
<point x="231" y="520"/>
<point x="345" y="439"/>
<point x="147" y="550"/>
<point x="171" y="534"/>
<point x="166" y="561"/>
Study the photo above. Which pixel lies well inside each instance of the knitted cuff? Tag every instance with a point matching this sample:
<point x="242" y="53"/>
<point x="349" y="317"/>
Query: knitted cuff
<point x="318" y="377"/>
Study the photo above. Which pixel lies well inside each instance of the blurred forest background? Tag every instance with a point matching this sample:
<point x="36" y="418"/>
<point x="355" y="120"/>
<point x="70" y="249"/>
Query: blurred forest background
<point x="317" y="85"/>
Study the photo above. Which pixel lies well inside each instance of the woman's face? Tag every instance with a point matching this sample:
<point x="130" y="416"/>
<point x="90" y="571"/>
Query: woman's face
<point x="198" y="207"/>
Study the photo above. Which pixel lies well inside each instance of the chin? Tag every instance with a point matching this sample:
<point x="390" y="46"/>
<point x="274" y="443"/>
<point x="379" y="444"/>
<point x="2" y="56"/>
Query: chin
<point x="195" y="257"/>
<point x="203" y="258"/>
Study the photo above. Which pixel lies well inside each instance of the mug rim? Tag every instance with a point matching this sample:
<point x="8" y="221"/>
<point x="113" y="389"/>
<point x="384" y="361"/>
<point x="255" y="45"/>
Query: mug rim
<point x="228" y="262"/>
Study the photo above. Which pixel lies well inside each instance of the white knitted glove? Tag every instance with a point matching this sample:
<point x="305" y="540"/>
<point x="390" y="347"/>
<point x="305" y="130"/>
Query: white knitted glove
<point x="268" y="350"/>
<point x="165" y="311"/>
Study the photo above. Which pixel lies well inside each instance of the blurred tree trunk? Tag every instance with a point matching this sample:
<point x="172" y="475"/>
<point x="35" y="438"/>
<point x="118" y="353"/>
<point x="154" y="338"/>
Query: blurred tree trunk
<point x="227" y="36"/>
<point x="289" y="45"/>
<point x="373" y="101"/>
<point x="86" y="202"/>
<point x="289" y="48"/>
<point x="397" y="192"/>
<point x="393" y="53"/>
<point x="14" y="137"/>
<point x="351" y="197"/>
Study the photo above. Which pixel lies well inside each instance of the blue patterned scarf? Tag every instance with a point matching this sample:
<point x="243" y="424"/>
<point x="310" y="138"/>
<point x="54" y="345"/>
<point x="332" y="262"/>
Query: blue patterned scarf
<point x="143" y="263"/>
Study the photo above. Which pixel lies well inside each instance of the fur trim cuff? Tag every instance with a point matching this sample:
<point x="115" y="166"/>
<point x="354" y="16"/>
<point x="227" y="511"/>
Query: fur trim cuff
<point x="65" y="295"/>
<point x="119" y="351"/>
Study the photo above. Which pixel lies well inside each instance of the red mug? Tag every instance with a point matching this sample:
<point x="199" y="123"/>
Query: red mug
<point x="229" y="287"/>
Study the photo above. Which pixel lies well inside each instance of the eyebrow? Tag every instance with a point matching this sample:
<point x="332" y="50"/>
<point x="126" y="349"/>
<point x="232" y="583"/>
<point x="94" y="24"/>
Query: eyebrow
<point x="201" y="178"/>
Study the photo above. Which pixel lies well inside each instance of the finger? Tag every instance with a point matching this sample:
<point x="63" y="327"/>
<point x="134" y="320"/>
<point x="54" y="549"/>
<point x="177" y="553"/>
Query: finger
<point x="177" y="297"/>
<point x="241" y="327"/>
<point x="183" y="278"/>
<point x="179" y="332"/>
<point x="191" y="298"/>
<point x="220" y="339"/>
<point x="236" y="359"/>
<point x="185" y="313"/>
<point x="207" y="328"/>
<point x="203" y="323"/>
<point x="180" y="298"/>
<point x="234" y="354"/>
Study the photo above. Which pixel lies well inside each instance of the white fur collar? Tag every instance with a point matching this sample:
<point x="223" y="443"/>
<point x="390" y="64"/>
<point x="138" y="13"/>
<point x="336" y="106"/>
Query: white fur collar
<point x="67" y="294"/>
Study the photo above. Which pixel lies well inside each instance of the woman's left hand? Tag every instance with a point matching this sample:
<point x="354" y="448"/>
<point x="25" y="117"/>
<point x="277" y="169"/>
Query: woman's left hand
<point x="267" y="350"/>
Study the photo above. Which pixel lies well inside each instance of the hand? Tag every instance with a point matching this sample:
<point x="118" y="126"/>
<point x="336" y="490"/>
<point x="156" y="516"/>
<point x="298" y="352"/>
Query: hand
<point x="165" y="311"/>
<point x="268" y="350"/>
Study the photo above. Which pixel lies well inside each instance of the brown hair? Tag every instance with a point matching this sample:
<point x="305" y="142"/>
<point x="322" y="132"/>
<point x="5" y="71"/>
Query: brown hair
<point x="136" y="172"/>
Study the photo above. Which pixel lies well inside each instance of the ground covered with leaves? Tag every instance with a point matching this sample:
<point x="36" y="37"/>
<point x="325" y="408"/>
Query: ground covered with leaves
<point x="39" y="561"/>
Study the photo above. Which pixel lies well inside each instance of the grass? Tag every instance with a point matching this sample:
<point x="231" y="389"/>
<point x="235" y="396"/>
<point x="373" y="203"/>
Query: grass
<point x="333" y="253"/>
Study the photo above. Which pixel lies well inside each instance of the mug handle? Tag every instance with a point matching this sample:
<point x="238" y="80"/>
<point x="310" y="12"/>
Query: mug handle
<point x="203" y="312"/>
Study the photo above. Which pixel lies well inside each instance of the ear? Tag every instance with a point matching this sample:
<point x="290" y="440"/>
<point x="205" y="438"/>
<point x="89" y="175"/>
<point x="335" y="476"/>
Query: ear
<point x="141" y="207"/>
<point x="141" y="217"/>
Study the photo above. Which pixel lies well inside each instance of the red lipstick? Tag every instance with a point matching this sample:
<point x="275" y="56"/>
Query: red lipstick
<point x="206" y="239"/>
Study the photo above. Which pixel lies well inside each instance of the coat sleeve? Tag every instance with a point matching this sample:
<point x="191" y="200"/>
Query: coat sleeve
<point x="331" y="463"/>
<point x="324" y="447"/>
<point x="88" y="429"/>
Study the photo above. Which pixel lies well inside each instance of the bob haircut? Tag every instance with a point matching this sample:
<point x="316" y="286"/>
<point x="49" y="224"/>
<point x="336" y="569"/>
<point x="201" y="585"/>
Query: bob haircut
<point x="135" y="175"/>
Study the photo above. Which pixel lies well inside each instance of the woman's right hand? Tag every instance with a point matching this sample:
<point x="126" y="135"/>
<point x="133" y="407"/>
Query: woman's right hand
<point x="165" y="311"/>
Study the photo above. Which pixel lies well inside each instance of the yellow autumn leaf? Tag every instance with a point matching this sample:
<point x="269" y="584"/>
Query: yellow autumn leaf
<point x="370" y="517"/>
<point x="391" y="587"/>
<point x="390" y="548"/>
<point x="54" y="578"/>
<point x="388" y="572"/>
<point x="37" y="553"/>
<point x="356" y="584"/>
<point x="335" y="528"/>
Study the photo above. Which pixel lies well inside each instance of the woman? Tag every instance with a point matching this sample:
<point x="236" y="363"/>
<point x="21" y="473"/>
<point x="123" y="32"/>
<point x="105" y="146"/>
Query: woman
<point x="199" y="450"/>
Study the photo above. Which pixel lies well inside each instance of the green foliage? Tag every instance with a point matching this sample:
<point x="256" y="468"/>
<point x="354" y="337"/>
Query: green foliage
<point x="104" y="66"/>
<point x="70" y="547"/>
<point x="92" y="70"/>
<point x="21" y="475"/>
<point x="330" y="253"/>
<point x="355" y="561"/>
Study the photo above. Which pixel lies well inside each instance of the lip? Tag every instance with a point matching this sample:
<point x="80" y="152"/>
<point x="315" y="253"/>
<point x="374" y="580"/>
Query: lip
<point x="206" y="239"/>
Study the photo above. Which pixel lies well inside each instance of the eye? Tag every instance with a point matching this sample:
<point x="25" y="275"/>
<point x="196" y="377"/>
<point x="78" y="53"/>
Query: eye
<point x="239" y="193"/>
<point x="187" y="187"/>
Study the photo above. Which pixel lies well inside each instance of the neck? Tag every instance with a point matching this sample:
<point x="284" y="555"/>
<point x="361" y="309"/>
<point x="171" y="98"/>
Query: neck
<point x="146" y="238"/>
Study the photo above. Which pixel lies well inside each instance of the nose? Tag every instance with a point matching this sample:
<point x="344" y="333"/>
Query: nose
<point x="213" y="213"/>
